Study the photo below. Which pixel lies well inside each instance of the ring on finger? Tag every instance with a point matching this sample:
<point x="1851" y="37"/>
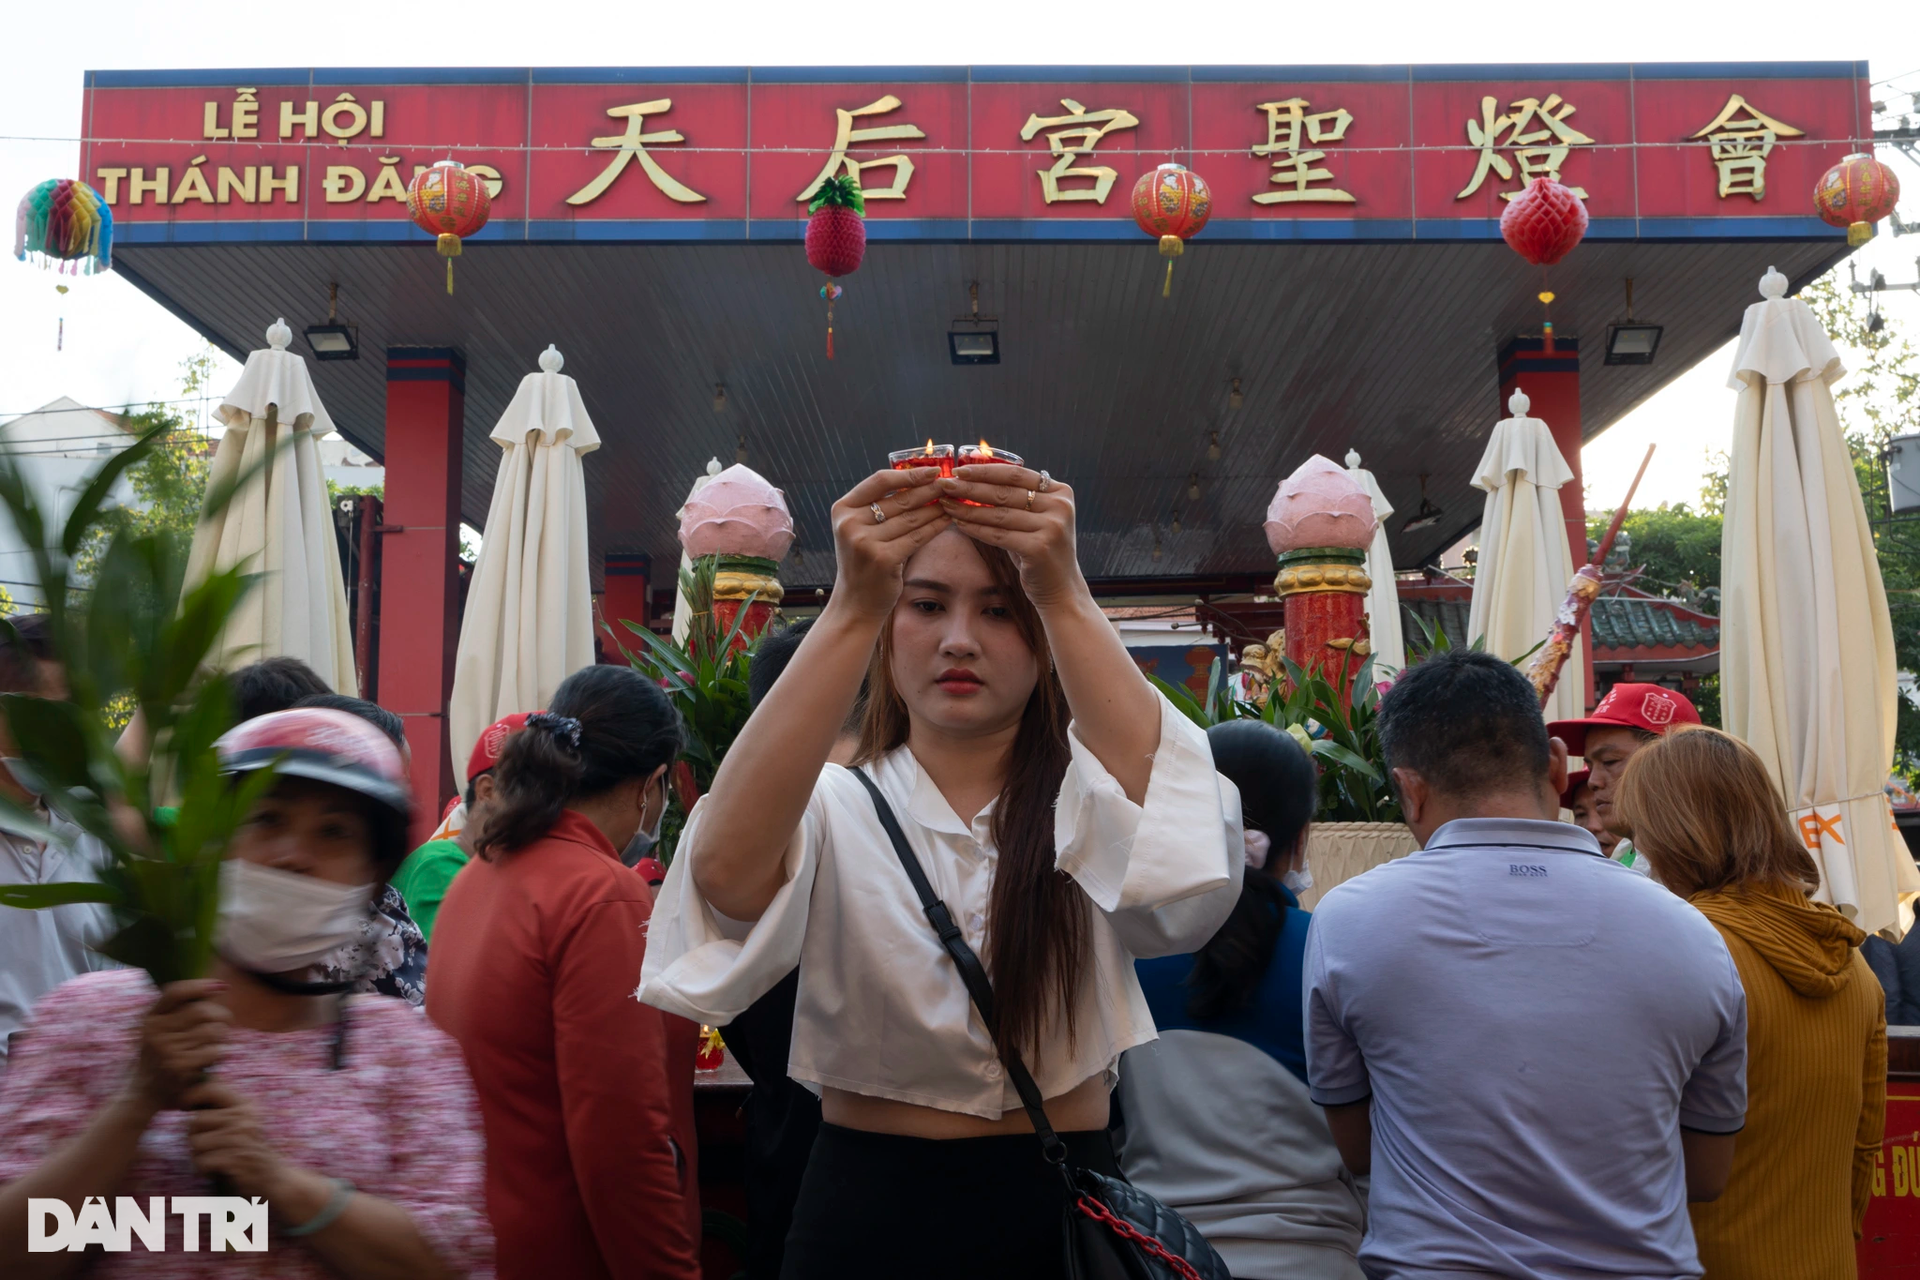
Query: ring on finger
<point x="1030" y="494"/>
<point x="879" y="516"/>
<point x="1046" y="482"/>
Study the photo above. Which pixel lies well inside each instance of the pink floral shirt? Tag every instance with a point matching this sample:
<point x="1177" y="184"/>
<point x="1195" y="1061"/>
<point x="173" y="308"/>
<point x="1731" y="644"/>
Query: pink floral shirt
<point x="399" y="1119"/>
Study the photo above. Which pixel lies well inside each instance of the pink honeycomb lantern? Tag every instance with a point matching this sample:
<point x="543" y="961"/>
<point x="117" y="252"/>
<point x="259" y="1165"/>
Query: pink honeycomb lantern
<point x="737" y="514"/>
<point x="1320" y="505"/>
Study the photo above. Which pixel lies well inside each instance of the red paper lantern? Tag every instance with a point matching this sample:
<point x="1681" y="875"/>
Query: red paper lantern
<point x="1855" y="194"/>
<point x="1544" y="222"/>
<point x="448" y="202"/>
<point x="836" y="237"/>
<point x="837" y="230"/>
<point x="1173" y="203"/>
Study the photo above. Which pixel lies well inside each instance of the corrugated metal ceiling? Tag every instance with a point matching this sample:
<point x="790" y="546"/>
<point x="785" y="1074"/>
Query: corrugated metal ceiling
<point x="1388" y="349"/>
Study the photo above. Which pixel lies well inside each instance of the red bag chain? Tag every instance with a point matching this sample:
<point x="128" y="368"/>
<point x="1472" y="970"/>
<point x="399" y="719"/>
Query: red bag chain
<point x="1126" y="1231"/>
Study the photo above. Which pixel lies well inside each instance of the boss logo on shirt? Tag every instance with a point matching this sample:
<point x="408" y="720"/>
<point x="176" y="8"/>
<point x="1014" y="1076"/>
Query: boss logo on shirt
<point x="1525" y="869"/>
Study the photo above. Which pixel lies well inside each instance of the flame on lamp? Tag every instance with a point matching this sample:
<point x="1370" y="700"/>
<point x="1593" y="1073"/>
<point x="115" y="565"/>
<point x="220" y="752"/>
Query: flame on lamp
<point x="986" y="450"/>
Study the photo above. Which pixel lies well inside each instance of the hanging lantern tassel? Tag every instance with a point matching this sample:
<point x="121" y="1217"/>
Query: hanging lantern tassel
<point x="60" y="334"/>
<point x="449" y="249"/>
<point x="1171" y="247"/>
<point x="1546" y="327"/>
<point x="830" y="291"/>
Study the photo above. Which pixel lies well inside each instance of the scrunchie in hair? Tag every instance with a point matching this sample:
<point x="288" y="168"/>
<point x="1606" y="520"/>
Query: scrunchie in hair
<point x="564" y="728"/>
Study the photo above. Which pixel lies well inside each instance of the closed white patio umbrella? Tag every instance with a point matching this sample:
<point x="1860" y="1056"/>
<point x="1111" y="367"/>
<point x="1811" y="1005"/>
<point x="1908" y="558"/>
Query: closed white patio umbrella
<point x="529" y="618"/>
<point x="1525" y="562"/>
<point x="1383" y="597"/>
<point x="1807" y="670"/>
<point x="280" y="524"/>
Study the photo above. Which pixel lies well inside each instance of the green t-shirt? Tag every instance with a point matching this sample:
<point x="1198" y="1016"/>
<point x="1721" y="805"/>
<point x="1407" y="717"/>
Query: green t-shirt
<point x="423" y="879"/>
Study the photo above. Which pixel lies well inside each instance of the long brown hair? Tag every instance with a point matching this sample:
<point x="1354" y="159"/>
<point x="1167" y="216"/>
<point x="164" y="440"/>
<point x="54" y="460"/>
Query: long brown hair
<point x="1702" y="808"/>
<point x="1037" y="932"/>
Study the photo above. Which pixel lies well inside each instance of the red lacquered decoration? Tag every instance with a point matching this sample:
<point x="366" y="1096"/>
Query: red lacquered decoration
<point x="1172" y="203"/>
<point x="1855" y="194"/>
<point x="449" y="203"/>
<point x="1544" y="222"/>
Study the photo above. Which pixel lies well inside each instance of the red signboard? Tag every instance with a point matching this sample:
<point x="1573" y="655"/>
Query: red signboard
<point x="1377" y="153"/>
<point x="1890" y="1245"/>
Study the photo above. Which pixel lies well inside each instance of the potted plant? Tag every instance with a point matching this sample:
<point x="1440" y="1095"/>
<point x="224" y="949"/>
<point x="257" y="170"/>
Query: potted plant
<point x="1357" y="825"/>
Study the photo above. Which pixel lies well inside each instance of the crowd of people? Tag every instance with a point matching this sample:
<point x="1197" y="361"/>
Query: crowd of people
<point x="970" y="904"/>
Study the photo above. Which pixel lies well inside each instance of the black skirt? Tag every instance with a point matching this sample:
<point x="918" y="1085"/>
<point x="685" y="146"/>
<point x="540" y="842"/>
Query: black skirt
<point x="874" y="1204"/>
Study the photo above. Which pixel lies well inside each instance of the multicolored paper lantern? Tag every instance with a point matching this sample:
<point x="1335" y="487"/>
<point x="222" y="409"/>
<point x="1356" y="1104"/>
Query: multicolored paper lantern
<point x="1855" y="194"/>
<point x="449" y="203"/>
<point x="64" y="224"/>
<point x="1172" y="203"/>
<point x="836" y="237"/>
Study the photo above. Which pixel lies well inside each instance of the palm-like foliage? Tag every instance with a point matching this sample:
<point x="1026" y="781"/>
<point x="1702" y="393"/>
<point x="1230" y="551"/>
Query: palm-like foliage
<point x="706" y="681"/>
<point x="1340" y="733"/>
<point x="133" y="633"/>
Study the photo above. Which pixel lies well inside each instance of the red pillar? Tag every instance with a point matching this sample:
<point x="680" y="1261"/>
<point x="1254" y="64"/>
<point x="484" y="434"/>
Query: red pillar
<point x="419" y="574"/>
<point x="1552" y="382"/>
<point x="625" y="598"/>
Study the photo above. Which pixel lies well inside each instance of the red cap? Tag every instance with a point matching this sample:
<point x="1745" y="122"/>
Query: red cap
<point x="1575" y="780"/>
<point x="1627" y="706"/>
<point x="486" y="752"/>
<point x="652" y="870"/>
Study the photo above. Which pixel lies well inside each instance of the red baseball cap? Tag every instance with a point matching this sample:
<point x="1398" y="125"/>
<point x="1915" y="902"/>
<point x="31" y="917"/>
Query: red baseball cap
<point x="1651" y="707"/>
<point x="486" y="752"/>
<point x="1575" y="780"/>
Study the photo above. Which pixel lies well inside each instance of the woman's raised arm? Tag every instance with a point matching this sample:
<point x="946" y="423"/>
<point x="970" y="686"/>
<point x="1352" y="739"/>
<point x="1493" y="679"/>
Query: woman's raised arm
<point x="762" y="788"/>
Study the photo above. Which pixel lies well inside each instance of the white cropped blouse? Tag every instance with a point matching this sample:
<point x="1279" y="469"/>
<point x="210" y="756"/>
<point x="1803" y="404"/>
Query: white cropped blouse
<point x="882" y="1010"/>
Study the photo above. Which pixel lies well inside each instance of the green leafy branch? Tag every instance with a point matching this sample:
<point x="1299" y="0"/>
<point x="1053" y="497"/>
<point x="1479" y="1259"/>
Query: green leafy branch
<point x="135" y="635"/>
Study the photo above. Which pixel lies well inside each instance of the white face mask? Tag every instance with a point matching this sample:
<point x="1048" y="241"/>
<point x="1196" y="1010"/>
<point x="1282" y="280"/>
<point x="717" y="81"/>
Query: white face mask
<point x="276" y="921"/>
<point x="643" y="841"/>
<point x="1298" y="882"/>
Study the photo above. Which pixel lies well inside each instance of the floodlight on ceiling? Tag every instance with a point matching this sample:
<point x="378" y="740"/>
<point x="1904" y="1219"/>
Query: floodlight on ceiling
<point x="971" y="347"/>
<point x="1629" y="342"/>
<point x="333" y="340"/>
<point x="979" y="341"/>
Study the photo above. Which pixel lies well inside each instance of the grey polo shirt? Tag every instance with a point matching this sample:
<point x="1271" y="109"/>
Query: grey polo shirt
<point x="1534" y="1024"/>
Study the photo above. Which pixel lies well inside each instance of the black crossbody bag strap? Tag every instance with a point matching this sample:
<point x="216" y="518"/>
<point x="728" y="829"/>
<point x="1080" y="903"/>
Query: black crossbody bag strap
<point x="972" y="972"/>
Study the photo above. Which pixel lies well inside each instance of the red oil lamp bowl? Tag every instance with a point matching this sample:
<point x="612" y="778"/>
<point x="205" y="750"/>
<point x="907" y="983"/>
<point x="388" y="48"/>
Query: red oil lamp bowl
<point x="982" y="453"/>
<point x="929" y="455"/>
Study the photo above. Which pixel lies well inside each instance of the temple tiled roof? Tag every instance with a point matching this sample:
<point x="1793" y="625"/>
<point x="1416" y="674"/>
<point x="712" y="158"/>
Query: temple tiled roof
<point x="1625" y="627"/>
<point x="1627" y="622"/>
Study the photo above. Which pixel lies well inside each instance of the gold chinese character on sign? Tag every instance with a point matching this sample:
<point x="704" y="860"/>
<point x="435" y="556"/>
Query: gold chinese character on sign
<point x="1068" y="145"/>
<point x="632" y="145"/>
<point x="1528" y="123"/>
<point x="1742" y="136"/>
<point x="847" y="136"/>
<point x="1293" y="171"/>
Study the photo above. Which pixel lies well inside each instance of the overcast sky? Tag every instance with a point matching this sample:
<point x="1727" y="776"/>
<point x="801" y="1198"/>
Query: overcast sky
<point x="120" y="347"/>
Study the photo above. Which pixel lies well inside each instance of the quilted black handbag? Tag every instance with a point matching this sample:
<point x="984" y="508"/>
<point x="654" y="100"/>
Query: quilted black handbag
<point x="1112" y="1229"/>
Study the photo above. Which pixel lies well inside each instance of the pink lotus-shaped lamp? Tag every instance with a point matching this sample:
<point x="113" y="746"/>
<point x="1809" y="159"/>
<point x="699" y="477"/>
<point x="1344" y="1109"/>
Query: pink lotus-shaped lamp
<point x="1320" y="505"/>
<point x="737" y="514"/>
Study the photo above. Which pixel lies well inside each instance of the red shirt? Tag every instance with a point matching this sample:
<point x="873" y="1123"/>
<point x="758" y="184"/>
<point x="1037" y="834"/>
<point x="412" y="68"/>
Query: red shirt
<point x="586" y="1094"/>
